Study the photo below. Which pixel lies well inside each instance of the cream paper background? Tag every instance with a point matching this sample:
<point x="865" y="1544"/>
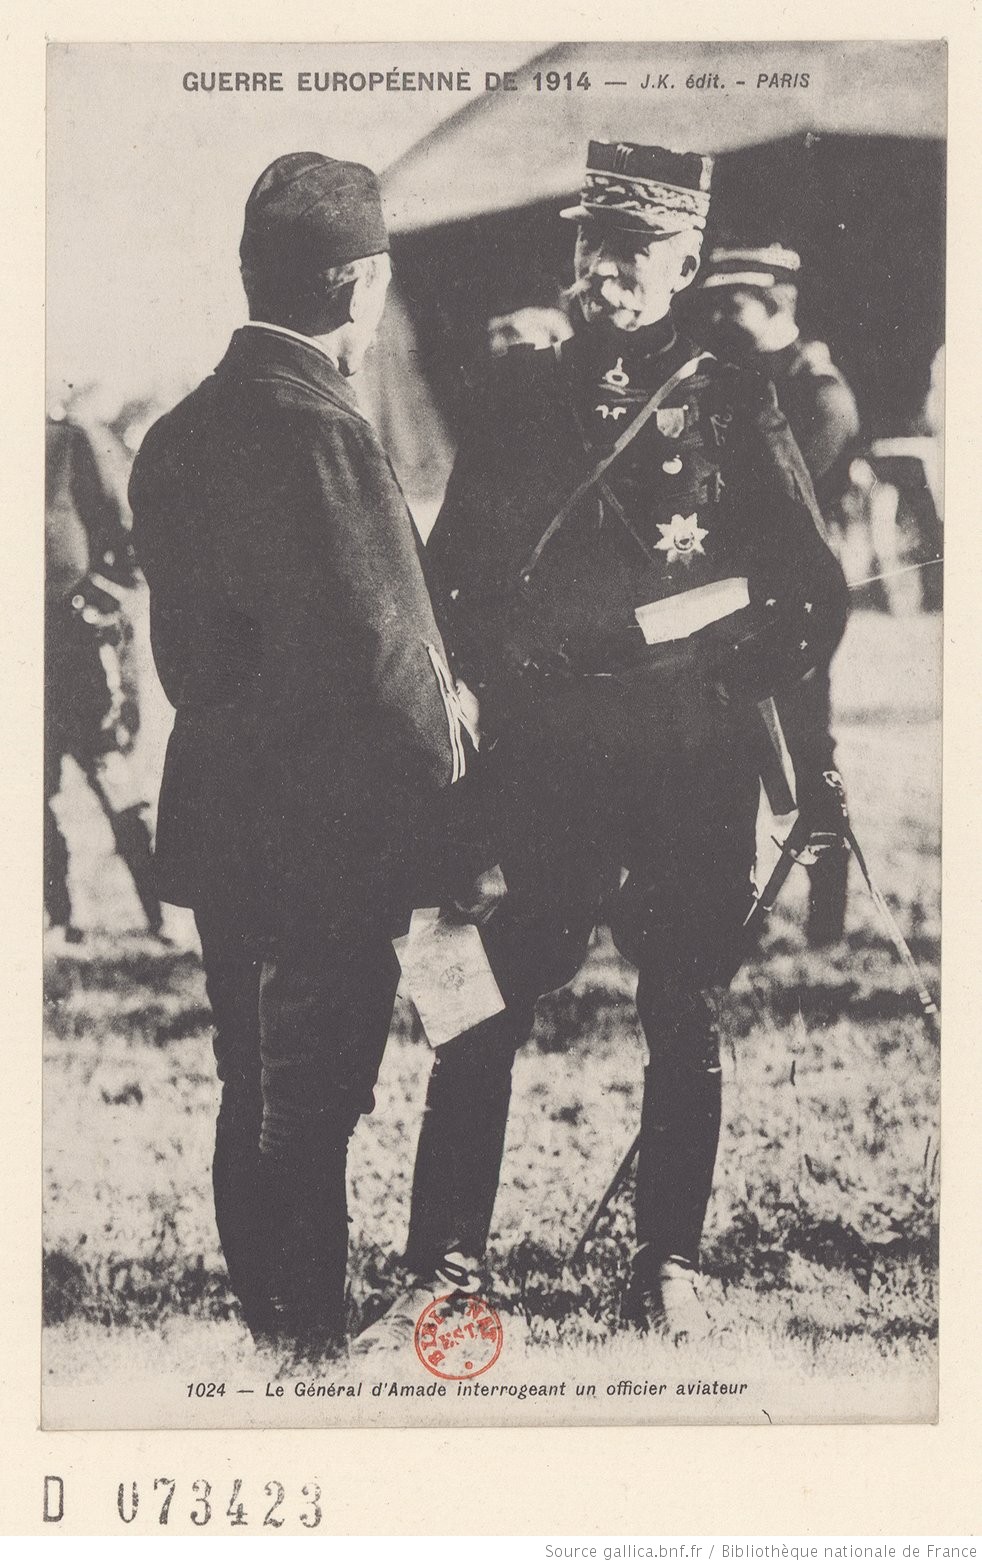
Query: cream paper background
<point x="619" y="1481"/>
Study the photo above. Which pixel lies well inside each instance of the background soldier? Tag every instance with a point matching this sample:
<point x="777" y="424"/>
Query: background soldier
<point x="316" y="720"/>
<point x="753" y="304"/>
<point x="90" y="703"/>
<point x="618" y="622"/>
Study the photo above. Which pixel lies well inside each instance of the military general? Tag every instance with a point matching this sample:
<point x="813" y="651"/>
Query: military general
<point x="627" y="560"/>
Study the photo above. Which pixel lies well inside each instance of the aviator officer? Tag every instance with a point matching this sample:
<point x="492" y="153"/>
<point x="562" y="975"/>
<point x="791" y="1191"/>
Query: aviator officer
<point x="316" y="724"/>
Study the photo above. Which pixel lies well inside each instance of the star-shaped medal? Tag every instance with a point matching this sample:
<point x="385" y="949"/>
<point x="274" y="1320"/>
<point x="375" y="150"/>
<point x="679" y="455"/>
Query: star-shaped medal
<point x="681" y="538"/>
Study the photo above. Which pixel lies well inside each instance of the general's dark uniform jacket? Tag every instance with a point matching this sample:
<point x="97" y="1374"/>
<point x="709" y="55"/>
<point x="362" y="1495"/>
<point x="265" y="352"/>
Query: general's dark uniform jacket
<point x="608" y="746"/>
<point x="712" y="489"/>
<point x="290" y="621"/>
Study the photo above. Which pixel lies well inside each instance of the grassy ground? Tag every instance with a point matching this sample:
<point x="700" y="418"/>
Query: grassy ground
<point x="821" y="1241"/>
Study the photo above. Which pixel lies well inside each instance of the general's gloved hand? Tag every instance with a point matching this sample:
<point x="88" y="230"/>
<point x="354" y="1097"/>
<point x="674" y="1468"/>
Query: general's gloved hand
<point x="747" y="669"/>
<point x="769" y="657"/>
<point x="476" y="902"/>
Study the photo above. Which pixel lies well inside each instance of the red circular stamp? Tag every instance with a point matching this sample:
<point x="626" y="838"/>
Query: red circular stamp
<point x="458" y="1336"/>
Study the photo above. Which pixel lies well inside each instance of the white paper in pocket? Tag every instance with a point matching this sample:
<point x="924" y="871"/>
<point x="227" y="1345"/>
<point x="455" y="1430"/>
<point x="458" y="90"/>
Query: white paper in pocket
<point x="447" y="976"/>
<point x="673" y="619"/>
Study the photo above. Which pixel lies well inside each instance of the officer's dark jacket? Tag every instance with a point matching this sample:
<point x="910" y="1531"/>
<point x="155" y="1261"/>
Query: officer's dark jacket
<point x="290" y="621"/>
<point x="821" y="409"/>
<point x="720" y="452"/>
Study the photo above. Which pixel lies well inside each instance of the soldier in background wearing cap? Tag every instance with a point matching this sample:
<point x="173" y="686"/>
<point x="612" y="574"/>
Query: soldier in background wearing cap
<point x="614" y="623"/>
<point x="316" y="720"/>
<point x="91" y="710"/>
<point x="752" y="294"/>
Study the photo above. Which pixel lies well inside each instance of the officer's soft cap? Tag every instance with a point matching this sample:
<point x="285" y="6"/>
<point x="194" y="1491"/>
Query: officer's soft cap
<point x="752" y="266"/>
<point x="307" y="212"/>
<point x="644" y="190"/>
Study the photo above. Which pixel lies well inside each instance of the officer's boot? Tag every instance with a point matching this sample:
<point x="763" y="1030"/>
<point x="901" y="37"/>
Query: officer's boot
<point x="133" y="843"/>
<point x="455" y="1181"/>
<point x="829" y="880"/>
<point x="240" y="1203"/>
<point x="302" y="1184"/>
<point x="824" y="806"/>
<point x="458" y="1159"/>
<point x="680" y="1124"/>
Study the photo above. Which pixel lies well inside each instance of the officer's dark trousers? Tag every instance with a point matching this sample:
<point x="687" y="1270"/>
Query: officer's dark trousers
<point x="301" y="977"/>
<point x="601" y="781"/>
<point x="232" y="953"/>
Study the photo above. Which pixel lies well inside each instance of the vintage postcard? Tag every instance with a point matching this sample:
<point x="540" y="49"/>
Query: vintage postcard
<point x="490" y="614"/>
<point x="589" y="396"/>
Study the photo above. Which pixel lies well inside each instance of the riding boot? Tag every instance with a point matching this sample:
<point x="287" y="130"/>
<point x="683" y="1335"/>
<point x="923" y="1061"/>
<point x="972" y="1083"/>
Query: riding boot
<point x="680" y="1124"/>
<point x="240" y="1203"/>
<point x="303" y="1188"/>
<point x="461" y="1141"/>
<point x="829" y="879"/>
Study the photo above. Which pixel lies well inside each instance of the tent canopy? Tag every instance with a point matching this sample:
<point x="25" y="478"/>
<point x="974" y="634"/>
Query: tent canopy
<point x="512" y="149"/>
<point x="866" y="213"/>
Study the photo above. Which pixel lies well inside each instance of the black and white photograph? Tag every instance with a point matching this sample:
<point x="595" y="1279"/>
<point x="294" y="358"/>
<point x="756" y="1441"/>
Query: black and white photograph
<point x="492" y="733"/>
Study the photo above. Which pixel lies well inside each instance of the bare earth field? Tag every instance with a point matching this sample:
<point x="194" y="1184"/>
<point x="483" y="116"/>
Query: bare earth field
<point x="821" y="1245"/>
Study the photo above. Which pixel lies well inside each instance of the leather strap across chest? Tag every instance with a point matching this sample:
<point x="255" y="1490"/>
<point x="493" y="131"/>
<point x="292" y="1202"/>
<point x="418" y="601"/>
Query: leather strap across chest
<point x="655" y="401"/>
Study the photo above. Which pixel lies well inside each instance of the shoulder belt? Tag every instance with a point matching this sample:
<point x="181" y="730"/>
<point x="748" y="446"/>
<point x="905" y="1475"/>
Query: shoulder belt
<point x="634" y="429"/>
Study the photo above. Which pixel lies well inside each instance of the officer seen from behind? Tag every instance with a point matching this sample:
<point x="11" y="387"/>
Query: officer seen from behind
<point x="316" y="724"/>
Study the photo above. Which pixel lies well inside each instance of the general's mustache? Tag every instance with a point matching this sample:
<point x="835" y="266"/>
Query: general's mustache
<point x="594" y="284"/>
